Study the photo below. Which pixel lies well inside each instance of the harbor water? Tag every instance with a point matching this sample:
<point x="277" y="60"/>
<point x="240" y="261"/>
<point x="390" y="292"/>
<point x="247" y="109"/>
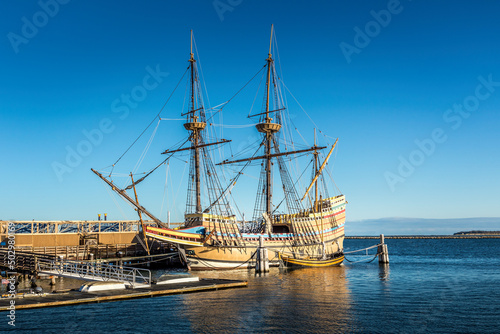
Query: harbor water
<point x="430" y="286"/>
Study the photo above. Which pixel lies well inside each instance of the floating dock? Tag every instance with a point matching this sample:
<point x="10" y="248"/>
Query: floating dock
<point x="73" y="297"/>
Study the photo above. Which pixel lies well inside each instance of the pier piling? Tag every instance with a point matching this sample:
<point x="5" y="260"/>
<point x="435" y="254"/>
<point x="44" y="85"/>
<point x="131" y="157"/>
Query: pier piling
<point x="383" y="253"/>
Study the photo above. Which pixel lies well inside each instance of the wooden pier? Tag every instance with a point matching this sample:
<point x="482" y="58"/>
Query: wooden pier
<point x="66" y="298"/>
<point x="84" y="252"/>
<point x="117" y="240"/>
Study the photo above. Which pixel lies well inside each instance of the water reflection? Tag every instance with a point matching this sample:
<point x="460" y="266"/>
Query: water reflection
<point x="61" y="283"/>
<point x="278" y="301"/>
<point x="384" y="272"/>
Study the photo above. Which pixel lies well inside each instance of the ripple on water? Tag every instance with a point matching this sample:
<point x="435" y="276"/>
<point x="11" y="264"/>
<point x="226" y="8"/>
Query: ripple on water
<point x="437" y="286"/>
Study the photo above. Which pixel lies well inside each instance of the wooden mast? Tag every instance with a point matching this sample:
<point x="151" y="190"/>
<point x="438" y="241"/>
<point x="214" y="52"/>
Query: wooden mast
<point x="193" y="125"/>
<point x="269" y="193"/>
<point x="269" y="61"/>
<point x="124" y="194"/>
<point x="315" y="172"/>
<point x="268" y="129"/>
<point x="320" y="170"/>
<point x="225" y="162"/>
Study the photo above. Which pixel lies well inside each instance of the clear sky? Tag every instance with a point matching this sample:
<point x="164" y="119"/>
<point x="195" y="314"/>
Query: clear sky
<point x="411" y="88"/>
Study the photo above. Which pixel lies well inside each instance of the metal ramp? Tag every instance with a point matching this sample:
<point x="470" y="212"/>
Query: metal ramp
<point x="94" y="271"/>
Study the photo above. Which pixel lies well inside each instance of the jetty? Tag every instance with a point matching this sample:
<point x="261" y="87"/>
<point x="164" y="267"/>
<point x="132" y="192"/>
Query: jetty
<point x="75" y="297"/>
<point x="94" y="240"/>
<point x="76" y="239"/>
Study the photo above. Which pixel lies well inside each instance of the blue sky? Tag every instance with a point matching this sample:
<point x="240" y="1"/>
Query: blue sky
<point x="62" y="78"/>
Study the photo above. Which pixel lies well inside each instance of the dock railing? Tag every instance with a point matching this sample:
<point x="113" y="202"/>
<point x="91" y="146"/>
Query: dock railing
<point x="94" y="271"/>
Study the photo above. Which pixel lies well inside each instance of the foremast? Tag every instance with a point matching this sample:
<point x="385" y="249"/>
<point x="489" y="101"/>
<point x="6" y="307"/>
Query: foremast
<point x="202" y="173"/>
<point x="195" y="124"/>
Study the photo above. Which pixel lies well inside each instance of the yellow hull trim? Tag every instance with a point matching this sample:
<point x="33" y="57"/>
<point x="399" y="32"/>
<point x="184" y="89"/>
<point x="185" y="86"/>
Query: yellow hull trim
<point x="174" y="240"/>
<point x="175" y="233"/>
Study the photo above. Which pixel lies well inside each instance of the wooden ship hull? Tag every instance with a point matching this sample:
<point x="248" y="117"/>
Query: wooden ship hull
<point x="218" y="243"/>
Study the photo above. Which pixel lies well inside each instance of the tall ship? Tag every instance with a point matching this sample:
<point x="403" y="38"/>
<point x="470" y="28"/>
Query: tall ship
<point x="297" y="229"/>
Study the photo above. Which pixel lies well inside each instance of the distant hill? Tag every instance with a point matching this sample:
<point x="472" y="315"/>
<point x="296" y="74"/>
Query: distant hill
<point x="420" y="226"/>
<point x="478" y="233"/>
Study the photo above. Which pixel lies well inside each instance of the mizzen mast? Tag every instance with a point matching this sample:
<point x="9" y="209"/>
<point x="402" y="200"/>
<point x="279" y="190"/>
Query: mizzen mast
<point x="320" y="170"/>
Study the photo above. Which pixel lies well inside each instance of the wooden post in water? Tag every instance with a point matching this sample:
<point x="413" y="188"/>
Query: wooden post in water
<point x="262" y="263"/>
<point x="383" y="253"/>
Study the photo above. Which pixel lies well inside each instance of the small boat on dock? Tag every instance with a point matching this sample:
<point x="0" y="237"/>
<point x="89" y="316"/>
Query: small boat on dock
<point x="291" y="261"/>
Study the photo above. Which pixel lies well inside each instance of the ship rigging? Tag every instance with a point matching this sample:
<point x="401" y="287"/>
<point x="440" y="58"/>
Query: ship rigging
<point x="306" y="231"/>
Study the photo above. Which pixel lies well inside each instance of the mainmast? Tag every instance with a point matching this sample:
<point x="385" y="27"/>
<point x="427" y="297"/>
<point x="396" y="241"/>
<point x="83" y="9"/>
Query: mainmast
<point x="270" y="142"/>
<point x="273" y="105"/>
<point x="195" y="125"/>
<point x="316" y="153"/>
<point x="268" y="129"/>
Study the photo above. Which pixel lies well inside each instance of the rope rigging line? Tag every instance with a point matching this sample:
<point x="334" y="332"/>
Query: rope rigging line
<point x="186" y="90"/>
<point x="295" y="183"/>
<point x="251" y="147"/>
<point x="234" y="126"/>
<point x="278" y="60"/>
<point x="201" y="71"/>
<point x="151" y="171"/>
<point x="158" y="115"/>
<point x="305" y="112"/>
<point x="111" y="194"/>
<point x="146" y="149"/>
<point x="164" y="188"/>
<point x="234" y="180"/>
<point x="256" y="93"/>
<point x="225" y="104"/>
<point x="331" y="178"/>
<point x="180" y="184"/>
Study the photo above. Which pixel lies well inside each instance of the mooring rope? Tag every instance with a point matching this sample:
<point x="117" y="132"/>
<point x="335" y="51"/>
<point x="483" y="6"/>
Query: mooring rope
<point x="361" y="250"/>
<point x="361" y="260"/>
